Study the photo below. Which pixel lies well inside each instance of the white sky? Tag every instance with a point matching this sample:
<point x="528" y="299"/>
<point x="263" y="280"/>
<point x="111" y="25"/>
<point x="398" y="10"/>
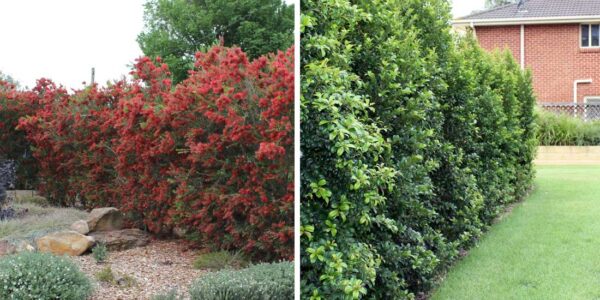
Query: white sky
<point x="461" y="8"/>
<point x="63" y="39"/>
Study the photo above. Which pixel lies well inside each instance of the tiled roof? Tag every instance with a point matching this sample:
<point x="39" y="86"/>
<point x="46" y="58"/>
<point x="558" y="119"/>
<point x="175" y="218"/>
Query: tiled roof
<point x="540" y="9"/>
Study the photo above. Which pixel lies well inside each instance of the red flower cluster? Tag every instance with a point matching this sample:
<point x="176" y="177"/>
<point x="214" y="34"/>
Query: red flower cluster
<point x="213" y="154"/>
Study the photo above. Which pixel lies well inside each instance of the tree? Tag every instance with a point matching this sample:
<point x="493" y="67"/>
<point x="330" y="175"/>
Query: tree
<point x="9" y="79"/>
<point x="496" y="3"/>
<point x="177" y="29"/>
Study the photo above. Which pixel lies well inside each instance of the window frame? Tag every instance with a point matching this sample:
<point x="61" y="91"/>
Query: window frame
<point x="589" y="25"/>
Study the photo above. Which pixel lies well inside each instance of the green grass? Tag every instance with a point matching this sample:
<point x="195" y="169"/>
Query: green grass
<point x="547" y="248"/>
<point x="38" y="221"/>
<point x="220" y="260"/>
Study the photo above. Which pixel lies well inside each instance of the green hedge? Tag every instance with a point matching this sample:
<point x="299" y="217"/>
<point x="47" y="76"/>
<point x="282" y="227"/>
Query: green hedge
<point x="412" y="142"/>
<point x="269" y="281"/>
<point x="564" y="130"/>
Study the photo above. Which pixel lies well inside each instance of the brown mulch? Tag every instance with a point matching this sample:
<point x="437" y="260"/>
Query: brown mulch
<point x="156" y="268"/>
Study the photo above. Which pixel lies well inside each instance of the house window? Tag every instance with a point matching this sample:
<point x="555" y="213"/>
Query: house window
<point x="590" y="35"/>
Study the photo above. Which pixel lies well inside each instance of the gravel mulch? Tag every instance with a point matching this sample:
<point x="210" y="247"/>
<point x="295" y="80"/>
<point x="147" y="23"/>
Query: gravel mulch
<point x="156" y="268"/>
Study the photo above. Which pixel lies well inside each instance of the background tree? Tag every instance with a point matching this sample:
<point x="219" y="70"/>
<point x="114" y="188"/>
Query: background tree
<point x="176" y="29"/>
<point x="9" y="79"/>
<point x="496" y="3"/>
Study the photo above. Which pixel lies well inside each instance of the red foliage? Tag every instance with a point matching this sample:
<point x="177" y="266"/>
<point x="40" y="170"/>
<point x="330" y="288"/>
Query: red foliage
<point x="213" y="154"/>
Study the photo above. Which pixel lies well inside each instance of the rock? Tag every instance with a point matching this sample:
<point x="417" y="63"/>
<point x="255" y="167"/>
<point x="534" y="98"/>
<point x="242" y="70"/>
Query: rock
<point x="25" y="246"/>
<point x="7" y="248"/>
<point x="124" y="239"/>
<point x="65" y="242"/>
<point x="105" y="219"/>
<point x="80" y="226"/>
<point x="179" y="232"/>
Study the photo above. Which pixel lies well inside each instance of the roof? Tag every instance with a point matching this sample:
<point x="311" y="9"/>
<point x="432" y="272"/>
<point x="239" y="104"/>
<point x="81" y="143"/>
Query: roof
<point x="537" y="10"/>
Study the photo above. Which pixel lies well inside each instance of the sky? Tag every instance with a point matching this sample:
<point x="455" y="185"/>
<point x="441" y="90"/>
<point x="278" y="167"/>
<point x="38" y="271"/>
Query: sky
<point x="63" y="39"/>
<point x="461" y="8"/>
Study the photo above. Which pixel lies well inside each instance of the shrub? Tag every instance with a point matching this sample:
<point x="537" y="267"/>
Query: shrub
<point x="36" y="200"/>
<point x="259" y="282"/>
<point x="106" y="275"/>
<point x="219" y="260"/>
<point x="564" y="130"/>
<point x="31" y="275"/>
<point x="412" y="142"/>
<point x="100" y="252"/>
<point x="212" y="155"/>
<point x="170" y="295"/>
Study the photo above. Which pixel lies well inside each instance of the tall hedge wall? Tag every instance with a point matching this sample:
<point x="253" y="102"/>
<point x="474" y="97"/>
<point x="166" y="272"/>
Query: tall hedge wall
<point x="212" y="154"/>
<point x="412" y="142"/>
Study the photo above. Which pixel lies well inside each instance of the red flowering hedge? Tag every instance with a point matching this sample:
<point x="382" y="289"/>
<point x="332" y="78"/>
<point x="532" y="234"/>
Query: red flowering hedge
<point x="213" y="154"/>
<point x="13" y="144"/>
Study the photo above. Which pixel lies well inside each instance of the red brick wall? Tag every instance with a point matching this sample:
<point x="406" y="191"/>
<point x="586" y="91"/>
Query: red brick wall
<point x="553" y="54"/>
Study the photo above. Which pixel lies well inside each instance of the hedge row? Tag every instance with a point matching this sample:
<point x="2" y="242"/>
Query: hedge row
<point x="412" y="142"/>
<point x="566" y="130"/>
<point x="213" y="154"/>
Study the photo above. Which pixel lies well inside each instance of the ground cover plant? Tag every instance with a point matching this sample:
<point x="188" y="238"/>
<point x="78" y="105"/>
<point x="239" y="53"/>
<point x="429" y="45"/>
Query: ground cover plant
<point x="412" y="142"/>
<point x="212" y="155"/>
<point x="565" y="130"/>
<point x="258" y="282"/>
<point x="545" y="249"/>
<point x="32" y="275"/>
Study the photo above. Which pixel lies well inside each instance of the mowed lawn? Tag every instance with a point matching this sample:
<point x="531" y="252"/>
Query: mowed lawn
<point x="548" y="247"/>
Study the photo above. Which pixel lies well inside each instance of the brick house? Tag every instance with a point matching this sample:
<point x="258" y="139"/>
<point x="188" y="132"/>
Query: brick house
<point x="559" y="40"/>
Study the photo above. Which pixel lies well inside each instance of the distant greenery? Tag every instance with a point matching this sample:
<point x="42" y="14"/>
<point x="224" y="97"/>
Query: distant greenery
<point x="8" y="78"/>
<point x="177" y="29"/>
<point x="564" y="130"/>
<point x="496" y="3"/>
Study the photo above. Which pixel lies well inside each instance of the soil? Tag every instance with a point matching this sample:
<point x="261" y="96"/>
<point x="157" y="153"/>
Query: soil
<point x="156" y="268"/>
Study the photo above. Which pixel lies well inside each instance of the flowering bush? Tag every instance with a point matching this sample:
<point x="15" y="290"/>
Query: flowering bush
<point x="32" y="275"/>
<point x="213" y="154"/>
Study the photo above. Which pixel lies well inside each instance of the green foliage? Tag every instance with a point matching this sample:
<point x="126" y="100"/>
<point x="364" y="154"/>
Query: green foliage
<point x="496" y="3"/>
<point x="35" y="199"/>
<point x="100" y="252"/>
<point x="32" y="275"/>
<point x="9" y="79"/>
<point x="220" y="260"/>
<point x="106" y="275"/>
<point x="177" y="29"/>
<point x="259" y="282"/>
<point x="411" y="144"/>
<point x="170" y="295"/>
<point x="564" y="130"/>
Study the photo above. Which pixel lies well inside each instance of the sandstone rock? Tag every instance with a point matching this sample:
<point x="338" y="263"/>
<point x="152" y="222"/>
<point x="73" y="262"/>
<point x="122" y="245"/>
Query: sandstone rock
<point x="80" y="226"/>
<point x="24" y="246"/>
<point x="7" y="248"/>
<point x="179" y="232"/>
<point x="65" y="242"/>
<point x="124" y="239"/>
<point x="105" y="219"/>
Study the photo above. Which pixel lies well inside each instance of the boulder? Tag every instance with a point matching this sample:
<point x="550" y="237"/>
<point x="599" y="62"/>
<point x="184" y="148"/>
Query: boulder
<point x="65" y="242"/>
<point x="105" y="219"/>
<point x="24" y="246"/>
<point x="7" y="248"/>
<point x="124" y="239"/>
<point x="80" y="226"/>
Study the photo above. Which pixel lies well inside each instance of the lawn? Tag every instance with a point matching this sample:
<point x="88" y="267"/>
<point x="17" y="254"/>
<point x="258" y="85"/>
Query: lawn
<point x="547" y="248"/>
